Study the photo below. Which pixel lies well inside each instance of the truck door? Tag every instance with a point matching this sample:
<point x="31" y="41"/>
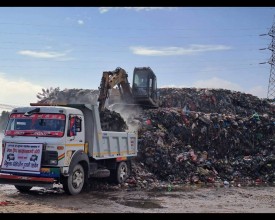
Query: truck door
<point x="75" y="134"/>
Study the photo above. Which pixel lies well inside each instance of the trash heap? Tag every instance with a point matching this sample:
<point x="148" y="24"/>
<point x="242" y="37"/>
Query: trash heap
<point x="191" y="147"/>
<point x="112" y="121"/>
<point x="71" y="96"/>
<point x="208" y="136"/>
<point x="214" y="101"/>
<point x="199" y="136"/>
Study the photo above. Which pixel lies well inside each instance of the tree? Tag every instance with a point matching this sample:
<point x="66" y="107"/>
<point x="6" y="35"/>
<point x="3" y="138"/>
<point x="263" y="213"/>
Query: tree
<point x="47" y="93"/>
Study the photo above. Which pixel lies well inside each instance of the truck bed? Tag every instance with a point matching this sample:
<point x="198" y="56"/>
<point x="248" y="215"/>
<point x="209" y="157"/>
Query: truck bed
<point x="115" y="144"/>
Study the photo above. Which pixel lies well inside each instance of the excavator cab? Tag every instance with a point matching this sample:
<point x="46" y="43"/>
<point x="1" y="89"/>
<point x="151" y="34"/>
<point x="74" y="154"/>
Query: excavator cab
<point x="144" y="88"/>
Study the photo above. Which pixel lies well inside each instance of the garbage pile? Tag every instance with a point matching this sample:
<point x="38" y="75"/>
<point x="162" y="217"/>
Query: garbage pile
<point x="200" y="136"/>
<point x="191" y="147"/>
<point x="203" y="135"/>
<point x="71" y="96"/>
<point x="214" y="100"/>
<point x="112" y="121"/>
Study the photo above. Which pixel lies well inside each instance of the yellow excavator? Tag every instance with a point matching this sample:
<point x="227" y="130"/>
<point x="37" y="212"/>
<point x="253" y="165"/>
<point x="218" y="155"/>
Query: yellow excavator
<point x="142" y="93"/>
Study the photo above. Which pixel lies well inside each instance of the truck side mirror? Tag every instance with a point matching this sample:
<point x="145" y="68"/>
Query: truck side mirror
<point x="78" y="122"/>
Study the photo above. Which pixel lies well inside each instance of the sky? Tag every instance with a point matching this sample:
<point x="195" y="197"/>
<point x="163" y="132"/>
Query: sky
<point x="70" y="47"/>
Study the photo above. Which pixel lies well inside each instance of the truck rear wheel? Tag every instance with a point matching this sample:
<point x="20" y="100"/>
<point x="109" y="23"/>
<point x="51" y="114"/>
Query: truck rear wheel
<point x="73" y="184"/>
<point x="23" y="188"/>
<point x="122" y="172"/>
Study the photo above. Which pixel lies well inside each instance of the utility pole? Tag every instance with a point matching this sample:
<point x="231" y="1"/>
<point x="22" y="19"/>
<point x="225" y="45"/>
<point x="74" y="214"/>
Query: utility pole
<point x="271" y="61"/>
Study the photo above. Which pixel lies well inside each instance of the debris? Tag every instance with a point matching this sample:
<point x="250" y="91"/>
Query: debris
<point x="196" y="136"/>
<point x="7" y="203"/>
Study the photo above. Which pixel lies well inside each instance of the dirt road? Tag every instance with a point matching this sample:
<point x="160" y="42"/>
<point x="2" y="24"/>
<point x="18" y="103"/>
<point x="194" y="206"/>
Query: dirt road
<point x="188" y="200"/>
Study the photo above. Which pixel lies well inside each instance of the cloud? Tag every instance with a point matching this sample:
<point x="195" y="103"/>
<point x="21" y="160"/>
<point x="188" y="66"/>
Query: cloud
<point x="148" y="8"/>
<point x="18" y="92"/>
<point x="173" y="51"/>
<point x="173" y="86"/>
<point x="42" y="54"/>
<point x="107" y="9"/>
<point x="80" y="22"/>
<point x="212" y="83"/>
<point x="217" y="83"/>
<point x="259" y="91"/>
<point x="104" y="9"/>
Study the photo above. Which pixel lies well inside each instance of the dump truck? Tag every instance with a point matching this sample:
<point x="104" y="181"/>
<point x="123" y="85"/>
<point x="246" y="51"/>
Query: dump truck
<point x="48" y="144"/>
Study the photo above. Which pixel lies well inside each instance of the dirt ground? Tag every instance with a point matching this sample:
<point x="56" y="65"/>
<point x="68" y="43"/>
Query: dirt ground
<point x="188" y="200"/>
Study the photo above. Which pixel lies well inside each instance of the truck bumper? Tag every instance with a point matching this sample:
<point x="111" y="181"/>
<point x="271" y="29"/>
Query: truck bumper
<point x="26" y="180"/>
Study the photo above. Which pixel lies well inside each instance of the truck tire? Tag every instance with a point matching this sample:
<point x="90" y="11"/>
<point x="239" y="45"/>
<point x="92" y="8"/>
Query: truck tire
<point x="122" y="172"/>
<point x="73" y="184"/>
<point x="23" y="188"/>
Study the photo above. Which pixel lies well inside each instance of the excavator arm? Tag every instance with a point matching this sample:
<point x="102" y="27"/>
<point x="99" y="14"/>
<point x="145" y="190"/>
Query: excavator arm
<point x="109" y="80"/>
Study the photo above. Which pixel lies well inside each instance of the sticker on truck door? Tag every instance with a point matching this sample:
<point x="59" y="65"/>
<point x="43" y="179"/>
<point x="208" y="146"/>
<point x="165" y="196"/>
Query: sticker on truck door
<point x="23" y="158"/>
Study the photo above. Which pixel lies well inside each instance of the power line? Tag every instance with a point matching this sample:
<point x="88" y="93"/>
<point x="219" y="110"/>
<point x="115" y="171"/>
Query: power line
<point x="132" y="28"/>
<point x="249" y="66"/>
<point x="7" y="106"/>
<point x="80" y="45"/>
<point x="127" y="36"/>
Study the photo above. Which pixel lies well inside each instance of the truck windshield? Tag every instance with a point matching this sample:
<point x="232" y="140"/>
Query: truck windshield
<point x="36" y="125"/>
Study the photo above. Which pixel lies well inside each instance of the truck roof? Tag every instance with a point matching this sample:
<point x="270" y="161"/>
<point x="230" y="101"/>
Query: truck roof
<point x="47" y="109"/>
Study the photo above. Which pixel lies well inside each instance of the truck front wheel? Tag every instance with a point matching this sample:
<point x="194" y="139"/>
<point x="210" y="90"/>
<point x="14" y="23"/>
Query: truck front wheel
<point x="23" y="188"/>
<point x="73" y="184"/>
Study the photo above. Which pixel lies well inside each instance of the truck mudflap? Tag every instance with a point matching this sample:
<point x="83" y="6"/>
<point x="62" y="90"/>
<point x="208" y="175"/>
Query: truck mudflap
<point x="26" y="180"/>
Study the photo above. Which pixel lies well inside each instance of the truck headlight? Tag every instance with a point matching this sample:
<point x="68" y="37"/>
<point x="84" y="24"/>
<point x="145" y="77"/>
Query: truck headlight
<point x="53" y="162"/>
